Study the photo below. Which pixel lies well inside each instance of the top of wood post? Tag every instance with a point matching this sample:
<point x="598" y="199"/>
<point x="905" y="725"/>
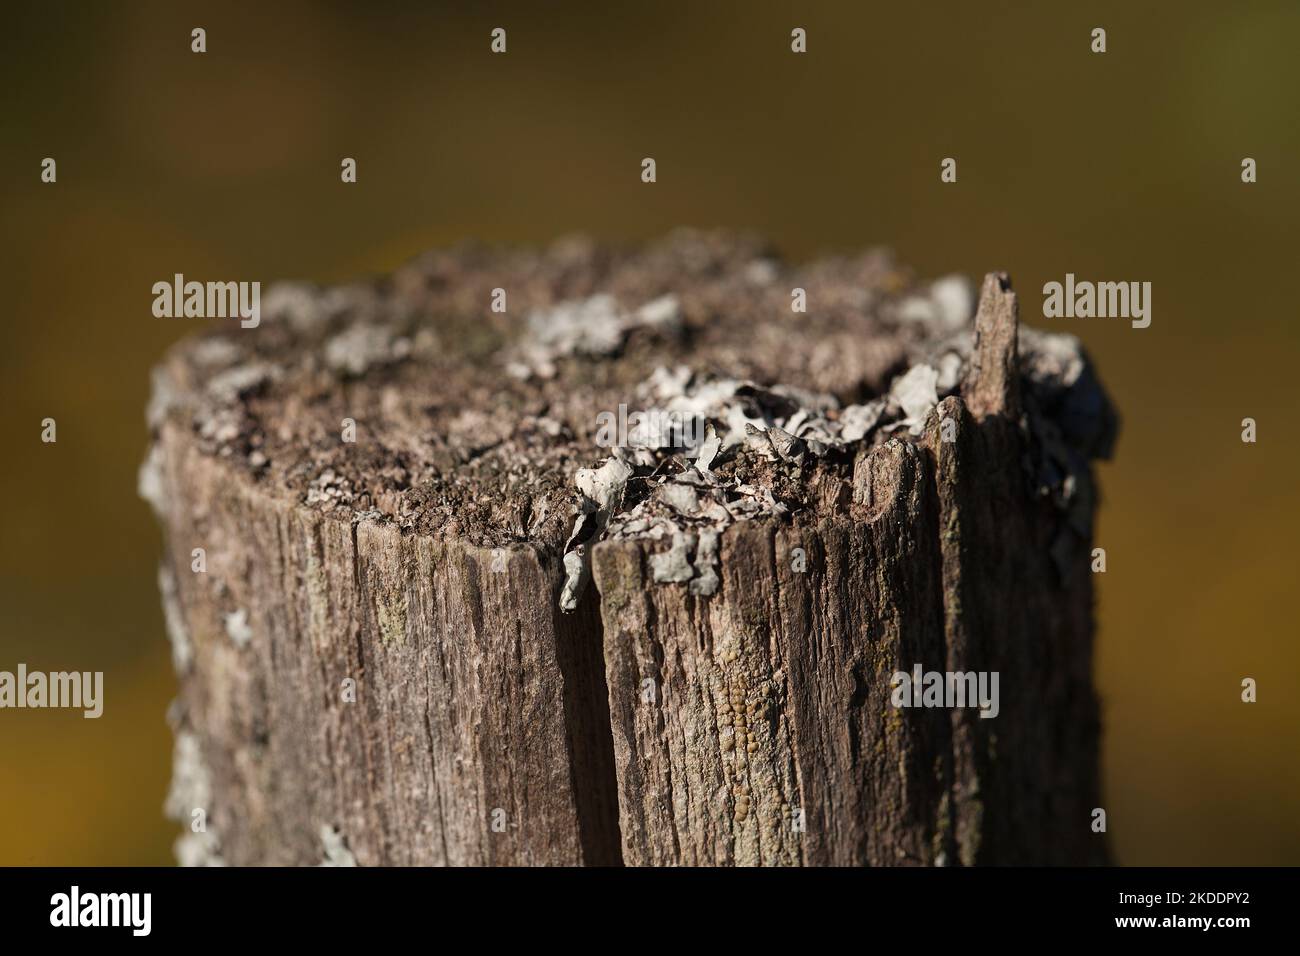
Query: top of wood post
<point x="466" y="393"/>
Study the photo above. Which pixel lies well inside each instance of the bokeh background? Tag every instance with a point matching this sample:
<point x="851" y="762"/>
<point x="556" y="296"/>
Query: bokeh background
<point x="1122" y="166"/>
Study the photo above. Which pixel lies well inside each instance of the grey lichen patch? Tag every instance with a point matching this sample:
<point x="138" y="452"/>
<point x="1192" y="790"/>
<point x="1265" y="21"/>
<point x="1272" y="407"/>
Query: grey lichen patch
<point x="706" y="580"/>
<point x="301" y="305"/>
<point x="364" y="345"/>
<point x="594" y="327"/>
<point x="219" y="412"/>
<point x="237" y="628"/>
<point x="915" y="394"/>
<point x="945" y="307"/>
<point x="328" y="488"/>
<point x="162" y="398"/>
<point x="216" y="353"/>
<point x="760" y="445"/>
<point x="857" y="421"/>
<point x="149" y="481"/>
<point x="177" y="633"/>
<point x="191" y="791"/>
<point x="335" y="848"/>
<point x="674" y="565"/>
<point x="692" y="557"/>
<point x="227" y="387"/>
<point x="600" y="492"/>
<point x="307" y="309"/>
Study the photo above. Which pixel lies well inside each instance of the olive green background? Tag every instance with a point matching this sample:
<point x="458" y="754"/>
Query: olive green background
<point x="1122" y="166"/>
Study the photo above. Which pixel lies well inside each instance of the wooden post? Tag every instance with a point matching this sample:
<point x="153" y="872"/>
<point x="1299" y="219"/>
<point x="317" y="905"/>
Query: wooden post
<point x="439" y="618"/>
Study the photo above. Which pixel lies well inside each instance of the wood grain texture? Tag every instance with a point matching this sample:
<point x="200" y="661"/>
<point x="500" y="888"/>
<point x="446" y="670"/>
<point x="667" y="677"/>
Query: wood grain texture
<point x="775" y="693"/>
<point x="656" y="724"/>
<point x="473" y="693"/>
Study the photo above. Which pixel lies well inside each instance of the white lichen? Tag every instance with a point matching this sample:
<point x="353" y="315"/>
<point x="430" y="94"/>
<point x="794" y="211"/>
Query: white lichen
<point x="335" y="848"/>
<point x="600" y="492"/>
<point x="191" y="790"/>
<point x="689" y="506"/>
<point x="364" y="345"/>
<point x="215" y="352"/>
<point x="706" y="580"/>
<point x="597" y="326"/>
<point x="947" y="305"/>
<point x="916" y="395"/>
<point x="226" y="387"/>
<point x="237" y="628"/>
<point x="149" y="481"/>
<point x="299" y="304"/>
<point x="674" y="565"/>
<point x="177" y="635"/>
<point x="162" y="398"/>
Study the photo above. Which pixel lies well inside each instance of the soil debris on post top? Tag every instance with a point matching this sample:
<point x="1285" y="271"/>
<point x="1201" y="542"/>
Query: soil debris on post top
<point x="632" y="562"/>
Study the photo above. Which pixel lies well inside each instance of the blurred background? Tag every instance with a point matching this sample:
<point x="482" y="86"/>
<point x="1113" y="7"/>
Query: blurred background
<point x="1122" y="166"/>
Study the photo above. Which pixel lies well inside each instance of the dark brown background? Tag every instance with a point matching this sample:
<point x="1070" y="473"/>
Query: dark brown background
<point x="1124" y="166"/>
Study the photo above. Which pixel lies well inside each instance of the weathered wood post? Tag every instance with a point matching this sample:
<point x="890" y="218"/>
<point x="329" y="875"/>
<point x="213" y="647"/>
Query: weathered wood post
<point x="593" y="555"/>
